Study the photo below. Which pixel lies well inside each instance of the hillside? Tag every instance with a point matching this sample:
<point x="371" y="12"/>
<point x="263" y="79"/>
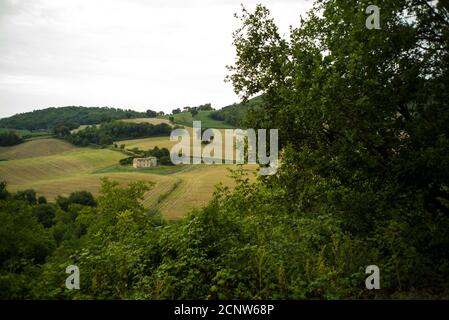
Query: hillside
<point x="17" y="131"/>
<point x="147" y="143"/>
<point x="355" y="212"/>
<point x="53" y="167"/>
<point x="153" y="121"/>
<point x="234" y="114"/>
<point x="185" y="119"/>
<point x="35" y="148"/>
<point x="165" y="142"/>
<point x="71" y="117"/>
<point x="58" y="166"/>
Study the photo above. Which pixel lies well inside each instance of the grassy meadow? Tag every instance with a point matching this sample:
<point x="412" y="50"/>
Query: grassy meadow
<point x="147" y="143"/>
<point x="35" y="148"/>
<point x="185" y="119"/>
<point x="164" y="142"/>
<point x="148" y="120"/>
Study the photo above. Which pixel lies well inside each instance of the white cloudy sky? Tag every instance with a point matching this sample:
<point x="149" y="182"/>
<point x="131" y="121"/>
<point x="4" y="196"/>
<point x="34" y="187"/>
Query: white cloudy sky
<point x="137" y="54"/>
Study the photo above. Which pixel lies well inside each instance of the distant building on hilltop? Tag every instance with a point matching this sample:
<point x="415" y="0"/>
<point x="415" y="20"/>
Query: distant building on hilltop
<point x="144" y="162"/>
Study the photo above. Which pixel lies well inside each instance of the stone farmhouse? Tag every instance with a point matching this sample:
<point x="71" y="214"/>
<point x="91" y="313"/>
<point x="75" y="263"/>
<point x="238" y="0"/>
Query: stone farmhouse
<point x="144" y="162"/>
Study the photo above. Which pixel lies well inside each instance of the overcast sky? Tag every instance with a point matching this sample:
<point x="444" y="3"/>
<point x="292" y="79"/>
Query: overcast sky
<point x="139" y="54"/>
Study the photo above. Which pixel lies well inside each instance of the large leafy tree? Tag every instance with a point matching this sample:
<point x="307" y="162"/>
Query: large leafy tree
<point x="24" y="246"/>
<point x="362" y="116"/>
<point x="367" y="105"/>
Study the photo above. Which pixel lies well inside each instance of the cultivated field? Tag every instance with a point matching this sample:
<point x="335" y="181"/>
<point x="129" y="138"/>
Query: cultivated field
<point x="35" y="148"/>
<point x="148" y="143"/>
<point x="67" y="164"/>
<point x="164" y="142"/>
<point x="185" y="119"/>
<point x="197" y="187"/>
<point x="148" y="120"/>
<point x="53" y="167"/>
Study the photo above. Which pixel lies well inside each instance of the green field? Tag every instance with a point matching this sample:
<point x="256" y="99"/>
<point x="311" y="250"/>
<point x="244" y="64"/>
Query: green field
<point x="53" y="167"/>
<point x="164" y="142"/>
<point x="147" y="143"/>
<point x="186" y="119"/>
<point x="75" y="162"/>
<point x="148" y="120"/>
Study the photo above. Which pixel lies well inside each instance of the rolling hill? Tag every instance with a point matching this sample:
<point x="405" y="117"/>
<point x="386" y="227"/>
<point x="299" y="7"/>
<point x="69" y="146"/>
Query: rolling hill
<point x="35" y="148"/>
<point x="164" y="142"/>
<point x="185" y="119"/>
<point x="74" y="162"/>
<point x="148" y="120"/>
<point x="71" y="117"/>
<point x="235" y="114"/>
<point x="53" y="167"/>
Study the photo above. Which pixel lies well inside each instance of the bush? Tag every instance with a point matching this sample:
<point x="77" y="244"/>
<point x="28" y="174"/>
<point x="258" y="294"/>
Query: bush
<point x="26" y="195"/>
<point x="10" y="138"/>
<point x="42" y="200"/>
<point x="3" y="191"/>
<point x="84" y="198"/>
<point x="126" y="161"/>
<point x="162" y="155"/>
<point x="45" y="213"/>
<point x="151" y="114"/>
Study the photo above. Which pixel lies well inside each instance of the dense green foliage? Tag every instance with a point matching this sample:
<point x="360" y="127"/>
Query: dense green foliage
<point x="71" y="117"/>
<point x="363" y="180"/>
<point x="24" y="246"/>
<point x="26" y="195"/>
<point x="246" y="244"/>
<point x="9" y="138"/>
<point x="205" y="107"/>
<point x="18" y="132"/>
<point x="193" y="112"/>
<point x="162" y="155"/>
<point x="26" y="134"/>
<point x="84" y="198"/>
<point x="107" y="133"/>
<point x="151" y="114"/>
<point x="362" y="117"/>
<point x="3" y="191"/>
